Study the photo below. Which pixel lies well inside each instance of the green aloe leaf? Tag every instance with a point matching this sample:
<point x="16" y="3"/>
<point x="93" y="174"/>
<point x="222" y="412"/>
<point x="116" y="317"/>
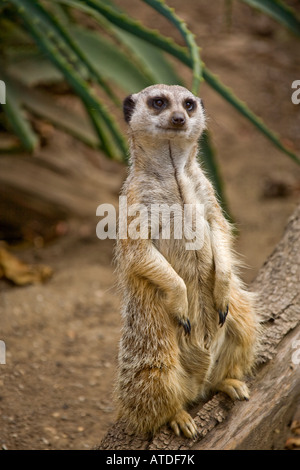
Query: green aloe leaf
<point x="32" y="68"/>
<point x="168" y="45"/>
<point x="149" y="59"/>
<point x="41" y="105"/>
<point x="207" y="156"/>
<point x="123" y="21"/>
<point x="80" y="60"/>
<point x="279" y="11"/>
<point x="167" y="12"/>
<point x="67" y="62"/>
<point x="111" y="62"/>
<point x="229" y="96"/>
<point x="17" y="118"/>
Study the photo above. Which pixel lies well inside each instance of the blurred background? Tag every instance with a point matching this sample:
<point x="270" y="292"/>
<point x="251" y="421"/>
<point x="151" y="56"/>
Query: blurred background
<point x="67" y="66"/>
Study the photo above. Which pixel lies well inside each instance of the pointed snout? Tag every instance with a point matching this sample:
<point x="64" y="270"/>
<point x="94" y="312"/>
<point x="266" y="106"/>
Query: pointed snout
<point x="177" y="119"/>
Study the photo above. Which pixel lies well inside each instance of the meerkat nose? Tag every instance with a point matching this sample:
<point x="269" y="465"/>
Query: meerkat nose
<point x="178" y="119"/>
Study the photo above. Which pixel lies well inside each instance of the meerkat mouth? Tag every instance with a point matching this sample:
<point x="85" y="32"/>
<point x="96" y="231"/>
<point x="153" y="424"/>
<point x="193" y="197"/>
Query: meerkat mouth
<point x="171" y="129"/>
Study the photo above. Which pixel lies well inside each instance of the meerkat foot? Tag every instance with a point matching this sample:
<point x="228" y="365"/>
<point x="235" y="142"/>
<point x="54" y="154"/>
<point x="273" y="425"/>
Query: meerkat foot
<point x="182" y="421"/>
<point x="236" y="389"/>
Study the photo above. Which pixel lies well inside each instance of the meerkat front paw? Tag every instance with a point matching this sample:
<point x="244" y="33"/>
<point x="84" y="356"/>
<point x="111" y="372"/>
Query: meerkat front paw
<point x="222" y="295"/>
<point x="222" y="307"/>
<point x="186" y="325"/>
<point x="182" y="421"/>
<point x="223" y="315"/>
<point x="177" y="304"/>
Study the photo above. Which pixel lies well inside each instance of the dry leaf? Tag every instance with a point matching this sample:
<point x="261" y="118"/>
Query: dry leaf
<point x="21" y="273"/>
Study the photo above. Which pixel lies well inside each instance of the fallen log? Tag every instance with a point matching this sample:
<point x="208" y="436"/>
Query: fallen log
<point x="275" y="388"/>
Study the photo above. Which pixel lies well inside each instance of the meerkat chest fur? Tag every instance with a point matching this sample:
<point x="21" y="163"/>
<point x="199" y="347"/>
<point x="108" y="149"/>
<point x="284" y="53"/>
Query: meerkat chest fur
<point x="172" y="183"/>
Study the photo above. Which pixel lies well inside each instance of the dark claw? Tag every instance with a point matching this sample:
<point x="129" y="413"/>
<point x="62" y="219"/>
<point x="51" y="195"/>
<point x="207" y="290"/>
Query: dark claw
<point x="186" y="326"/>
<point x="222" y="316"/>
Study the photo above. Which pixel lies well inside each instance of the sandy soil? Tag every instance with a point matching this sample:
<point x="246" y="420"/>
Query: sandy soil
<point x="61" y="337"/>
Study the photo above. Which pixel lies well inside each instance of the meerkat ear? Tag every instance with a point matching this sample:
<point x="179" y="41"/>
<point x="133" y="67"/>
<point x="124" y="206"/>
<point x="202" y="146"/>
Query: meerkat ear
<point x="128" y="107"/>
<point x="202" y="103"/>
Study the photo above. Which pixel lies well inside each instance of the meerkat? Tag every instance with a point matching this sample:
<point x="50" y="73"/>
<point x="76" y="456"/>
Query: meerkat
<point x="189" y="325"/>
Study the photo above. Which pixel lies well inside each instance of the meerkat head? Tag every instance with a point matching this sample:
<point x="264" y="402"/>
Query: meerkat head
<point x="165" y="112"/>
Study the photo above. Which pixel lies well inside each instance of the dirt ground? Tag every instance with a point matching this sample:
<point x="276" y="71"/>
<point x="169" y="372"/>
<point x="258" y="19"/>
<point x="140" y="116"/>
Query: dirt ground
<point x="61" y="337"/>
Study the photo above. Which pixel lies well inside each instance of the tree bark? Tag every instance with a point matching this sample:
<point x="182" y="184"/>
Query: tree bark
<point x="275" y="388"/>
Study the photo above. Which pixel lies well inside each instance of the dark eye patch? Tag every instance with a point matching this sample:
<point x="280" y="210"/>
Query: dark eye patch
<point x="190" y="105"/>
<point x="158" y="103"/>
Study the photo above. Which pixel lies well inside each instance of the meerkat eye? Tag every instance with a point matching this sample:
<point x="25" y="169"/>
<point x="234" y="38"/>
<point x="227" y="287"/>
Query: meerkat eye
<point x="159" y="103"/>
<point x="189" y="105"/>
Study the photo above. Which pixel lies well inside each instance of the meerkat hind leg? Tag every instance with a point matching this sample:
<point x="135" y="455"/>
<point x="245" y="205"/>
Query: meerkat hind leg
<point x="236" y="389"/>
<point x="182" y="421"/>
